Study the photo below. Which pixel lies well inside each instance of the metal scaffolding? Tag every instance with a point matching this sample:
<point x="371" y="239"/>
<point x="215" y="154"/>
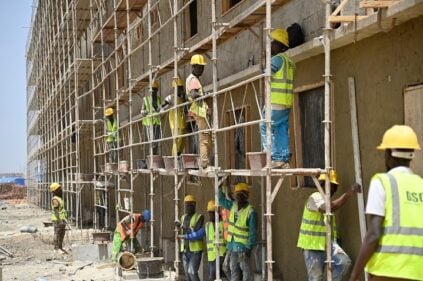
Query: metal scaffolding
<point x="87" y="56"/>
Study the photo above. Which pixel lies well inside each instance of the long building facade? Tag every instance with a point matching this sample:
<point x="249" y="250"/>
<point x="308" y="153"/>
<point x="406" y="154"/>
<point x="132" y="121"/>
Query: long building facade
<point x="84" y="56"/>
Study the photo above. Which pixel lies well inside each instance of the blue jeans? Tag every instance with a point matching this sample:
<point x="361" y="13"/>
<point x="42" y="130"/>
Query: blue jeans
<point x="240" y="266"/>
<point x="315" y="263"/>
<point x="212" y="269"/>
<point x="280" y="135"/>
<point x="191" y="262"/>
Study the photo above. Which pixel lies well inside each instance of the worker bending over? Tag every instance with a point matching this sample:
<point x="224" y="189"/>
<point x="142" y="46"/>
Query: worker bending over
<point x="58" y="217"/>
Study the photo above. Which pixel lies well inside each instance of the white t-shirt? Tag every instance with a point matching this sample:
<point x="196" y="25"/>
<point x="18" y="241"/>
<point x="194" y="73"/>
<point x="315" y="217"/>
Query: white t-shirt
<point x="315" y="201"/>
<point x="377" y="197"/>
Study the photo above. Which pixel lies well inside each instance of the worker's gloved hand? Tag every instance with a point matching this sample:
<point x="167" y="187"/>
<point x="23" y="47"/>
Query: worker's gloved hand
<point x="143" y="113"/>
<point x="181" y="237"/>
<point x="195" y="94"/>
<point x="355" y="188"/>
<point x="178" y="224"/>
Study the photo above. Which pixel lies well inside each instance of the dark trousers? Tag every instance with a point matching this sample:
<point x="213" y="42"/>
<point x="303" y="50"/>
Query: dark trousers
<point x="59" y="235"/>
<point x="212" y="269"/>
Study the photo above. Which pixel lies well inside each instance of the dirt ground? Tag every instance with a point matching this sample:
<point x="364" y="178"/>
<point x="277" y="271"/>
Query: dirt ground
<point x="33" y="254"/>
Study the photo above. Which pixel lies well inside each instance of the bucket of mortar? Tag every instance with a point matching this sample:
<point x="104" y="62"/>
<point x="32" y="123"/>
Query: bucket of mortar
<point x="126" y="260"/>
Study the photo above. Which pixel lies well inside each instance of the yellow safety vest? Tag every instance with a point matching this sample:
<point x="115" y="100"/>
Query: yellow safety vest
<point x="180" y="115"/>
<point x="282" y="83"/>
<point x="111" y="129"/>
<point x="313" y="231"/>
<point x="149" y="108"/>
<point x="400" y="251"/>
<point x="195" y="245"/>
<point x="60" y="214"/>
<point x="239" y="230"/>
<point x="200" y="107"/>
<point x="210" y="237"/>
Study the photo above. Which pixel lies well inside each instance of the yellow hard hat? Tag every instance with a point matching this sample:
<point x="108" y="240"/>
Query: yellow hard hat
<point x="189" y="198"/>
<point x="333" y="177"/>
<point x="210" y="206"/>
<point x="242" y="186"/>
<point x="280" y="35"/>
<point x="155" y="84"/>
<point x="198" y="59"/>
<point x="177" y="83"/>
<point x="399" y="137"/>
<point x="54" y="186"/>
<point x="109" y="111"/>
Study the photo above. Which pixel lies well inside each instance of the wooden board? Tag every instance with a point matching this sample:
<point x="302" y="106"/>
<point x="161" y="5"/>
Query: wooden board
<point x="376" y="4"/>
<point x="413" y="117"/>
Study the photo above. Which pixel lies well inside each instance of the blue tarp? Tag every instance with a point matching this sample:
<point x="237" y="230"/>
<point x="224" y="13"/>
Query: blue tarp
<point x="14" y="180"/>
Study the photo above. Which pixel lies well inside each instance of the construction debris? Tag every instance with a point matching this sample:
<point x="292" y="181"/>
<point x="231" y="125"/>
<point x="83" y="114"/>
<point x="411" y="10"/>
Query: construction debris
<point x="12" y="191"/>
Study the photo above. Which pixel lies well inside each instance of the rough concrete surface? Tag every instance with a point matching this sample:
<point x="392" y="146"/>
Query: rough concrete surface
<point x="34" y="257"/>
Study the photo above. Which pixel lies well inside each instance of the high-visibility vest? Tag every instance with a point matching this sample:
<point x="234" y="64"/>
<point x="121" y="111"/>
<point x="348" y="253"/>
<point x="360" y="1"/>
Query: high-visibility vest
<point x="200" y="107"/>
<point x="195" y="245"/>
<point x="313" y="231"/>
<point x="225" y="213"/>
<point x="149" y="108"/>
<point x="129" y="223"/>
<point x="282" y="83"/>
<point x="58" y="214"/>
<point x="400" y="250"/>
<point x="239" y="230"/>
<point x="180" y="115"/>
<point x="111" y="130"/>
<point x="210" y="237"/>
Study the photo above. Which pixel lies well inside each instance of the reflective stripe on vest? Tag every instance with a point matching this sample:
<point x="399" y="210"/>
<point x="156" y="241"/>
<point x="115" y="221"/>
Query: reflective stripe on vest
<point x="59" y="214"/>
<point x="313" y="231"/>
<point x="200" y="107"/>
<point x="400" y="250"/>
<point x="239" y="230"/>
<point x="282" y="83"/>
<point x="195" y="245"/>
<point x="111" y="130"/>
<point x="149" y="108"/>
<point x="129" y="223"/>
<point x="210" y="237"/>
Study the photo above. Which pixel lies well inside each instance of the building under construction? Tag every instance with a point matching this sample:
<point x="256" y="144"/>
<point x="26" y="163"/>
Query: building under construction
<point x="358" y="73"/>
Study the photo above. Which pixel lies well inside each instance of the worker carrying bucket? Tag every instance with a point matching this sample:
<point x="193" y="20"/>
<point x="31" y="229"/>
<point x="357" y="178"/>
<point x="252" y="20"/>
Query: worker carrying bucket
<point x="124" y="238"/>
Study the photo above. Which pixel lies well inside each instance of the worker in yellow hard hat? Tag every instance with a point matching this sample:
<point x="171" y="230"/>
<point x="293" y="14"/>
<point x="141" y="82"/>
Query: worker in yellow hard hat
<point x="151" y="120"/>
<point x="58" y="217"/>
<point x="242" y="236"/>
<point x="312" y="237"/>
<point x="210" y="240"/>
<point x="192" y="234"/>
<point x="281" y="99"/>
<point x="199" y="109"/>
<point x="392" y="247"/>
<point x="111" y="134"/>
<point x="169" y="101"/>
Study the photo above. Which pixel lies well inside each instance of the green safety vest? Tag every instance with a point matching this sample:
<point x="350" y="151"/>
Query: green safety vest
<point x="196" y="245"/>
<point x="60" y="214"/>
<point x="111" y="129"/>
<point x="149" y="108"/>
<point x="210" y="237"/>
<point x="200" y="107"/>
<point x="239" y="230"/>
<point x="282" y="83"/>
<point x="313" y="231"/>
<point x="400" y="250"/>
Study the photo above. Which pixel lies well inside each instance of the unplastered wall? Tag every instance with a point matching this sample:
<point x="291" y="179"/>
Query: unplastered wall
<point x="383" y="66"/>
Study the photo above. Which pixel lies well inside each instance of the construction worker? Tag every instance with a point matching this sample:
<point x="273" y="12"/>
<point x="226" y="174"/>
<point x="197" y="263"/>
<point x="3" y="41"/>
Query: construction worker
<point x="312" y="237"/>
<point x="192" y="226"/>
<point x="179" y="143"/>
<point x="58" y="217"/>
<point x="124" y="238"/>
<point x="392" y="249"/>
<point x="199" y="109"/>
<point x="150" y="106"/>
<point x="210" y="238"/>
<point x="111" y="134"/>
<point x="242" y="232"/>
<point x="281" y="97"/>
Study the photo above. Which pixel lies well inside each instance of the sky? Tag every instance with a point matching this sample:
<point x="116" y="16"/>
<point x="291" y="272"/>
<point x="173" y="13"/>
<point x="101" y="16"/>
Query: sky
<point x="15" y="18"/>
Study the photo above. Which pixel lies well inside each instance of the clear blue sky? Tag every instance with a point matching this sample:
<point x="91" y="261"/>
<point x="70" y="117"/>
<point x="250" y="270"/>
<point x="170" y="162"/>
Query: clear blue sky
<point x="15" y="18"/>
